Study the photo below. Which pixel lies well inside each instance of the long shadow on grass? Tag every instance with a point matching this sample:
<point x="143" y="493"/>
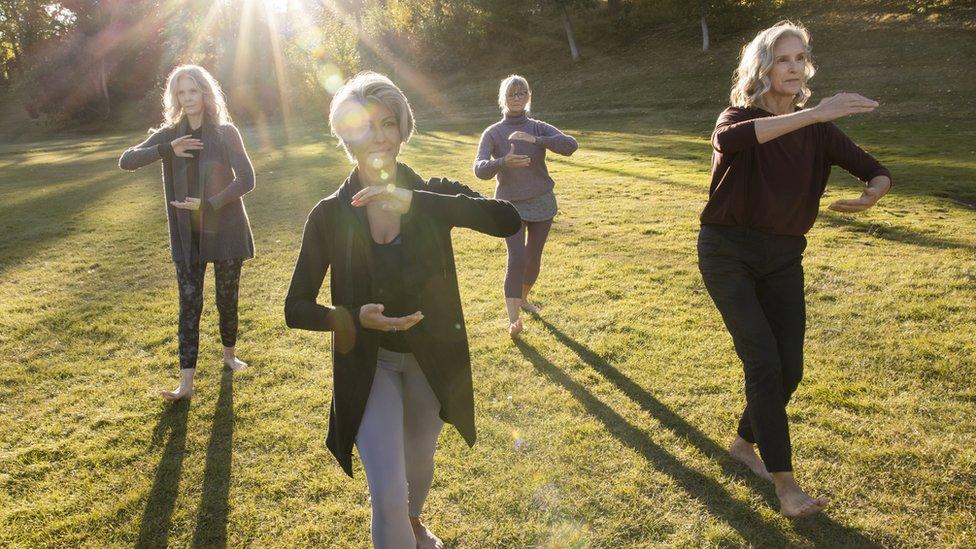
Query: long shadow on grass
<point x="154" y="529"/>
<point x="819" y="530"/>
<point x="211" y="530"/>
<point x="894" y="234"/>
<point x="711" y="494"/>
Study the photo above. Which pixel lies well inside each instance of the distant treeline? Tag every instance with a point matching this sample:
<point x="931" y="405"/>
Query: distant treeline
<point x="83" y="61"/>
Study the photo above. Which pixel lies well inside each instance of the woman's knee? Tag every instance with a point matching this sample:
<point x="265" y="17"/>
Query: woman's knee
<point x="389" y="499"/>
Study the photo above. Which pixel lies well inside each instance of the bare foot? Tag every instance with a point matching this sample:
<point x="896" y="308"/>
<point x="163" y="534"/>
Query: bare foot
<point x="744" y="452"/>
<point x="425" y="538"/>
<point x="180" y="393"/>
<point x="235" y="363"/>
<point x="515" y="328"/>
<point x="530" y="307"/>
<point x="796" y="504"/>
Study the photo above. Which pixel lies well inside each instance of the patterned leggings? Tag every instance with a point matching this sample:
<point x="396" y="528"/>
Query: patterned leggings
<point x="189" y="276"/>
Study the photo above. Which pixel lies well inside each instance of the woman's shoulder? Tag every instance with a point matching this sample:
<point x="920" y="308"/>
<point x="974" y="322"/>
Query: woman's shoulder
<point x="496" y="126"/>
<point x="734" y="113"/>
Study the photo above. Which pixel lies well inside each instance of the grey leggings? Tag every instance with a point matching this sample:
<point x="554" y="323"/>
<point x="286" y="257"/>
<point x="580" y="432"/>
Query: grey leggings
<point x="525" y="256"/>
<point x="396" y="442"/>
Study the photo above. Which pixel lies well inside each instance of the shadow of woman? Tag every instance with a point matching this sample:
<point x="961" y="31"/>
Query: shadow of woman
<point x="819" y="529"/>
<point x="154" y="528"/>
<point x="211" y="529"/>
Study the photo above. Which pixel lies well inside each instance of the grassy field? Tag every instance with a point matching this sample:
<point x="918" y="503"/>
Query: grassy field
<point x="623" y="395"/>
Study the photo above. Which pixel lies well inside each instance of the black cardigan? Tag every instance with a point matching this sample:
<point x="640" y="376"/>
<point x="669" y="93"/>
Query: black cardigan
<point x="337" y="235"/>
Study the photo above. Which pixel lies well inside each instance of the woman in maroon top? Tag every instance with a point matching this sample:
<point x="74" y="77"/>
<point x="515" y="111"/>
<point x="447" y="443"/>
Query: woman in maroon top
<point x="770" y="166"/>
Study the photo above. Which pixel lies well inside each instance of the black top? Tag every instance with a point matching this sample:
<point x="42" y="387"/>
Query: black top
<point x="389" y="263"/>
<point x="776" y="186"/>
<point x="193" y="183"/>
<point x="337" y="242"/>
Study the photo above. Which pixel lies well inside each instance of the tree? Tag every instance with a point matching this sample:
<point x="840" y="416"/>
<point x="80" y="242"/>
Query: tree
<point x="703" y="5"/>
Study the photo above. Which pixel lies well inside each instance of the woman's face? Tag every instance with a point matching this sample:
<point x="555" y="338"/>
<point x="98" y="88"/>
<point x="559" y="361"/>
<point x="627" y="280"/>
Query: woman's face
<point x="789" y="62"/>
<point x="515" y="99"/>
<point x="372" y="134"/>
<point x="189" y="95"/>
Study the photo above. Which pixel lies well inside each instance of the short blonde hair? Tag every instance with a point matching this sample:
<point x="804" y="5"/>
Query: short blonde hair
<point x="514" y="82"/>
<point x="751" y="78"/>
<point x="359" y="91"/>
<point x="214" y="105"/>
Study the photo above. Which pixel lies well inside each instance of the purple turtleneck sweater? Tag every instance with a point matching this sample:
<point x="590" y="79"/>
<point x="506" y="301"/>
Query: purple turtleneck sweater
<point x="520" y="183"/>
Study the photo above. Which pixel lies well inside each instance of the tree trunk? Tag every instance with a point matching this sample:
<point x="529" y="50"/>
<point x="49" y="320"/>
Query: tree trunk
<point x="704" y="25"/>
<point x="569" y="34"/>
<point x="613" y="8"/>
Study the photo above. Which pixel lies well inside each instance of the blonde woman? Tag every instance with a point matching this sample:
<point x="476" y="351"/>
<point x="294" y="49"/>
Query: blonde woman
<point x="401" y="365"/>
<point x="770" y="165"/>
<point x="513" y="151"/>
<point x="205" y="173"/>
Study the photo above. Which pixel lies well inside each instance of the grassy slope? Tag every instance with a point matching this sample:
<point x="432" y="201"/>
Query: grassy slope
<point x="624" y="395"/>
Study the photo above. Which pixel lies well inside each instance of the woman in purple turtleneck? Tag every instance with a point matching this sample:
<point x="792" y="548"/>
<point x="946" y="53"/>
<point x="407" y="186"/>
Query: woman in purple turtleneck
<point x="513" y="151"/>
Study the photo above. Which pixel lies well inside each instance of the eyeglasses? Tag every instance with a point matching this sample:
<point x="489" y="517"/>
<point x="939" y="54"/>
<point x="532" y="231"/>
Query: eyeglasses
<point x="518" y="95"/>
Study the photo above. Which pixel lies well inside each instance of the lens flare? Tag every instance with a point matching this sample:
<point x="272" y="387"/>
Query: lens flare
<point x="352" y="122"/>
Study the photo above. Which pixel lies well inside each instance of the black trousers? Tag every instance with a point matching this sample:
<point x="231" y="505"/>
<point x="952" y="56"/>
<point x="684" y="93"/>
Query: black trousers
<point x="756" y="281"/>
<point x="189" y="276"/>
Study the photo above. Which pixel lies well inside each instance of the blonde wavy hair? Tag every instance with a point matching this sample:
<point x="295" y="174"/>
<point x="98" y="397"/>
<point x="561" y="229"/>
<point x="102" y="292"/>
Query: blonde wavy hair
<point x="214" y="105"/>
<point x="751" y="78"/>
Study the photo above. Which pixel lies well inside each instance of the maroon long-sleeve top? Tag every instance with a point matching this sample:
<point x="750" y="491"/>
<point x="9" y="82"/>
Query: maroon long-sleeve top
<point x="776" y="186"/>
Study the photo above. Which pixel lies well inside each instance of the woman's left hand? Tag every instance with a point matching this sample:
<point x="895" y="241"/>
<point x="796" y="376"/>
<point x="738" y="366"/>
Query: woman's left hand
<point x="522" y="136"/>
<point x="867" y="199"/>
<point x="390" y="197"/>
<point x="189" y="204"/>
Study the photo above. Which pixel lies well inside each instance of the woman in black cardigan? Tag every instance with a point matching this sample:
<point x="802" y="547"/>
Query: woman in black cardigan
<point x="205" y="173"/>
<point x="401" y="365"/>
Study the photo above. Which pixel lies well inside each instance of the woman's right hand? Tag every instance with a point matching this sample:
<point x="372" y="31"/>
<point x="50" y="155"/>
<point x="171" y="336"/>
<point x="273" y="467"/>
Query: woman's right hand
<point x="513" y="160"/>
<point x="371" y="316"/>
<point x="182" y="146"/>
<point x="842" y="104"/>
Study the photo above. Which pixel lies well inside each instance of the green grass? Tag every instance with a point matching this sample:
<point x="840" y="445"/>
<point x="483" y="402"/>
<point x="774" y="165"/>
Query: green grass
<point x="626" y="392"/>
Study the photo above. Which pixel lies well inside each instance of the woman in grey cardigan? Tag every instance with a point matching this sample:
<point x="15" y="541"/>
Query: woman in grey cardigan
<point x="205" y="173"/>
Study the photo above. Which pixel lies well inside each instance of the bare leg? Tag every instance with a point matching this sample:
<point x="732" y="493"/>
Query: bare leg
<point x="185" y="390"/>
<point x="425" y="538"/>
<point x="794" y="502"/>
<point x="528" y="306"/>
<point x="514" y="322"/>
<point x="744" y="452"/>
<point x="231" y="360"/>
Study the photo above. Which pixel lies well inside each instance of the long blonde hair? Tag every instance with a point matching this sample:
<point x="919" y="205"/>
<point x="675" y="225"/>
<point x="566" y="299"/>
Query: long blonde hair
<point x="214" y="105"/>
<point x="751" y="78"/>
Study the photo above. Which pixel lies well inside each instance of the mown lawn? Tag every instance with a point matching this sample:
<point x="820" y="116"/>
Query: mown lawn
<point x="624" y="394"/>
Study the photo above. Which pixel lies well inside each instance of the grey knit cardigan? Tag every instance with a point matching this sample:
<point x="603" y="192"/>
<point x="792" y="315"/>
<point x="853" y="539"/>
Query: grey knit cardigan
<point x="225" y="175"/>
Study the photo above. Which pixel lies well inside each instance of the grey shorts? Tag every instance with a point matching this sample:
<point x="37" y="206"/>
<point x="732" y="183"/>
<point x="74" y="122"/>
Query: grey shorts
<point x="540" y="208"/>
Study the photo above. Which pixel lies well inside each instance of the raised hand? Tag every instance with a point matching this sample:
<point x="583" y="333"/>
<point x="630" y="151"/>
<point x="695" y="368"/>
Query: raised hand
<point x="183" y="145"/>
<point x="390" y="197"/>
<point x="842" y="104"/>
<point x="371" y="316"/>
<point x="189" y="204"/>
<point x="513" y="160"/>
<point x="522" y="136"/>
